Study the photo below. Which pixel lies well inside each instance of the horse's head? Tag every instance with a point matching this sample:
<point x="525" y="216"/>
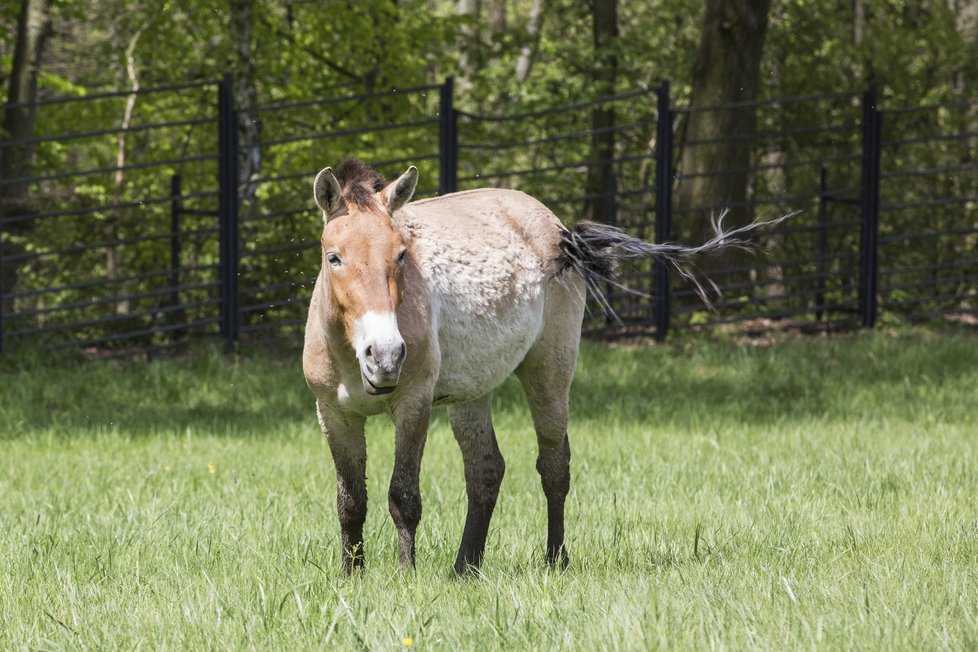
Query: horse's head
<point x="363" y="258"/>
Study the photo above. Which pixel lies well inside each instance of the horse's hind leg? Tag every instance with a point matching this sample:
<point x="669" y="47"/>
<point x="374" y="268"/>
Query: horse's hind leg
<point x="484" y="468"/>
<point x="546" y="375"/>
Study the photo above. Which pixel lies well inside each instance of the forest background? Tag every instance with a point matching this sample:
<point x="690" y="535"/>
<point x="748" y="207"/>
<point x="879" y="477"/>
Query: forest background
<point x="506" y="57"/>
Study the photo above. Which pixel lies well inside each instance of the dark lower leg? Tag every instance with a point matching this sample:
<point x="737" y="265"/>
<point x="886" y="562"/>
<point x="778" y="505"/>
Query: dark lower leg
<point x="352" y="509"/>
<point x="404" y="496"/>
<point x="404" y="502"/>
<point x="484" y="471"/>
<point x="553" y="464"/>
<point x="349" y="451"/>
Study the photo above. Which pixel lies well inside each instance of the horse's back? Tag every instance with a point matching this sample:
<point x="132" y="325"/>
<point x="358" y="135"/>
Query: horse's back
<point x="489" y="257"/>
<point x="490" y="224"/>
<point x="486" y="250"/>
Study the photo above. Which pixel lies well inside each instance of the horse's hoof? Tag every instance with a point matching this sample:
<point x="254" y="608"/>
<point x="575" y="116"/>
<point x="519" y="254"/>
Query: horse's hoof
<point x="352" y="567"/>
<point x="467" y="569"/>
<point x="558" y="560"/>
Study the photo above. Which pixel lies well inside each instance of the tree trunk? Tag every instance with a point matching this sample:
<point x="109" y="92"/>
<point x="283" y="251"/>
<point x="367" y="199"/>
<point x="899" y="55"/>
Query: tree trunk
<point x="533" y="29"/>
<point x="966" y="23"/>
<point x="33" y="27"/>
<point x="858" y="22"/>
<point x="498" y="18"/>
<point x="605" y="31"/>
<point x="245" y="100"/>
<point x="468" y="43"/>
<point x="115" y="217"/>
<point x="726" y="70"/>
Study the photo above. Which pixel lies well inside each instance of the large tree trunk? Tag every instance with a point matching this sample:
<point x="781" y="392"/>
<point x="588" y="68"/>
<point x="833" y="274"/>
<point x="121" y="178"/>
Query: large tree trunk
<point x="605" y="31"/>
<point x="33" y="26"/>
<point x="726" y="70"/>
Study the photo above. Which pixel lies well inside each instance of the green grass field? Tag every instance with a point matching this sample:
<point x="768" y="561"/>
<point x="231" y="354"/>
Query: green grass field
<point x="813" y="494"/>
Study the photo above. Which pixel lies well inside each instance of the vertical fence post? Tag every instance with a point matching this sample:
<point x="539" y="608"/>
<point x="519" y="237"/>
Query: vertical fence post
<point x="228" y="211"/>
<point x="869" y="236"/>
<point x="177" y="315"/>
<point x="447" y="139"/>
<point x="610" y="217"/>
<point x="2" y="302"/>
<point x="663" y="208"/>
<point x="175" y="194"/>
<point x="820" y="245"/>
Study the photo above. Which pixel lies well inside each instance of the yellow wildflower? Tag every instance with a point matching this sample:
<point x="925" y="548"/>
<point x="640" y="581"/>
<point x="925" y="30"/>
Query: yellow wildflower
<point x="211" y="468"/>
<point x="407" y="641"/>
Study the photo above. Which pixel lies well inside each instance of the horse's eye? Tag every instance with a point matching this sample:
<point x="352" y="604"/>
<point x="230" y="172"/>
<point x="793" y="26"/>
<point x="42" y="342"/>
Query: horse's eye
<point x="333" y="259"/>
<point x="400" y="257"/>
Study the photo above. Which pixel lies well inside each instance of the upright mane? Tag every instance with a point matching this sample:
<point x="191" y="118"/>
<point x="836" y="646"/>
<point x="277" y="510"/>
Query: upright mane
<point x="358" y="181"/>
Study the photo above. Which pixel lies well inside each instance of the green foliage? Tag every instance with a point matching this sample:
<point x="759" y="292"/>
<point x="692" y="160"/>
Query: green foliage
<point x="916" y="52"/>
<point x="722" y="497"/>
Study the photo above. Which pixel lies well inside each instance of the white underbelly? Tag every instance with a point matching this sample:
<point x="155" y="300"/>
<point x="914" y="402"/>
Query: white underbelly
<point x="479" y="351"/>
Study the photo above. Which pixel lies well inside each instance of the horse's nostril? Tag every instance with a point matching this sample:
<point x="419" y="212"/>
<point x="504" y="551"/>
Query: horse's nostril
<point x="369" y="353"/>
<point x="403" y="351"/>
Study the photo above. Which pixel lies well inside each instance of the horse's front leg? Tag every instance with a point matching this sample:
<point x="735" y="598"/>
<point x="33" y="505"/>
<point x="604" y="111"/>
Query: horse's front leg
<point x="349" y="449"/>
<point x="404" y="497"/>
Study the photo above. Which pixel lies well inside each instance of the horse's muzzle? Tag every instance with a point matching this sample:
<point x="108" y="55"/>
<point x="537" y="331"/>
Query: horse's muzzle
<point x="381" y="352"/>
<point x="377" y="390"/>
<point x="382" y="370"/>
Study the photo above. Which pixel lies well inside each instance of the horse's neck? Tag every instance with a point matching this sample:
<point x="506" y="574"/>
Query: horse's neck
<point x="336" y="342"/>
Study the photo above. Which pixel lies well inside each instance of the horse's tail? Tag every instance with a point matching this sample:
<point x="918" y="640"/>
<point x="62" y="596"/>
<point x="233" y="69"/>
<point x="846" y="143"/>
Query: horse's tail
<point x="594" y="251"/>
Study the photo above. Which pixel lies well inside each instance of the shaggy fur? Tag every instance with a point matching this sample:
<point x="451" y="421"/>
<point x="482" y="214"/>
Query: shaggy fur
<point x="359" y="183"/>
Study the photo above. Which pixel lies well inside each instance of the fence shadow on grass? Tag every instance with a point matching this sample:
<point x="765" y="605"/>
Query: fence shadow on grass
<point x="203" y="391"/>
<point x="693" y="384"/>
<point x="703" y="384"/>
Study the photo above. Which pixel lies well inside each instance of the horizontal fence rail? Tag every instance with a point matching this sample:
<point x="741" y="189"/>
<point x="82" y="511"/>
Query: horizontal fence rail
<point x="93" y="253"/>
<point x="186" y="217"/>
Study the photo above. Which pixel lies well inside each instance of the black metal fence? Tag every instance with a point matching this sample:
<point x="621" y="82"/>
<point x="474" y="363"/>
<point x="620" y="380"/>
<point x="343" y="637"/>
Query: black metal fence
<point x="168" y="228"/>
<point x="928" y="211"/>
<point x="279" y="226"/>
<point x="810" y="154"/>
<point x="104" y="244"/>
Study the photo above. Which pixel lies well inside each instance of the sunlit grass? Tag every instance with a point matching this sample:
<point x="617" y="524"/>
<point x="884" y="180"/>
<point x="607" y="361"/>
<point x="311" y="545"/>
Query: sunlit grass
<point x="811" y="494"/>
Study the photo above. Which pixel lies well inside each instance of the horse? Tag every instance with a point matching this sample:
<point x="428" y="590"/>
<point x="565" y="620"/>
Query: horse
<point x="434" y="303"/>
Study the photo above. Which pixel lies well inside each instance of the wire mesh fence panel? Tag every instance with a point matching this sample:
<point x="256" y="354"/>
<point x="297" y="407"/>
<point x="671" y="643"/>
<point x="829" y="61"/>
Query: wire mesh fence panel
<point x="95" y="250"/>
<point x="929" y="211"/>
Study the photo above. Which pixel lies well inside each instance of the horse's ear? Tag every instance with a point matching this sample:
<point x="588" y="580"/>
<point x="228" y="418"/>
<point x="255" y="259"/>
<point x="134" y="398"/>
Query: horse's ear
<point x="399" y="192"/>
<point x="326" y="190"/>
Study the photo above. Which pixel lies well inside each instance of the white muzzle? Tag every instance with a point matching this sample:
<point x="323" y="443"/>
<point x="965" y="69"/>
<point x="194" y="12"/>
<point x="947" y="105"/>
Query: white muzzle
<point x="380" y="351"/>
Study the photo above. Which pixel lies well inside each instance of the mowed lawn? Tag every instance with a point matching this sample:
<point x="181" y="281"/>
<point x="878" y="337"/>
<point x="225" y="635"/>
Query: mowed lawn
<point x="811" y="494"/>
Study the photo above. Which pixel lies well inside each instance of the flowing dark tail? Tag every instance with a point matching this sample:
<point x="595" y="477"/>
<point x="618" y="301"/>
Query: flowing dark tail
<point x="594" y="250"/>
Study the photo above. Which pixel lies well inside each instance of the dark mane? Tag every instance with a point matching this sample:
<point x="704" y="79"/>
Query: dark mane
<point x="358" y="181"/>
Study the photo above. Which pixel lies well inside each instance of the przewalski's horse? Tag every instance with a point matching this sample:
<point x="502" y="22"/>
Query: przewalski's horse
<point x="436" y="303"/>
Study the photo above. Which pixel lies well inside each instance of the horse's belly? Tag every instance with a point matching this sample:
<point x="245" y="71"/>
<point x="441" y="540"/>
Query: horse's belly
<point x="478" y="351"/>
